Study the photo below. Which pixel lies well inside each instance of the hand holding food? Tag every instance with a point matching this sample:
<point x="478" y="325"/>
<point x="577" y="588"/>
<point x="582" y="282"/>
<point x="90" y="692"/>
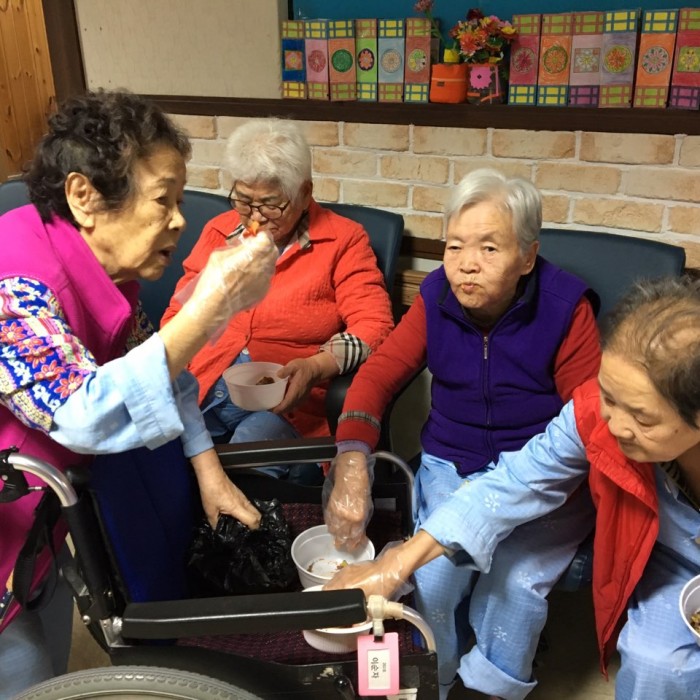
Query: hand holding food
<point x="252" y="229"/>
<point x="234" y="279"/>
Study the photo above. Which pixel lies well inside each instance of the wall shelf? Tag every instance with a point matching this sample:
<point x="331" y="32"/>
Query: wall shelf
<point x="69" y="78"/>
<point x="637" y="121"/>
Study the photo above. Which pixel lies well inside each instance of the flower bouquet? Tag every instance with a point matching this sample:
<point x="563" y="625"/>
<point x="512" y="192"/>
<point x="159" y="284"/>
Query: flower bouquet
<point x="482" y="43"/>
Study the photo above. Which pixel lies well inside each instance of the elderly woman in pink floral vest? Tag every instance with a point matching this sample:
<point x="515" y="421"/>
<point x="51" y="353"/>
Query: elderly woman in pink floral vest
<point x="80" y="370"/>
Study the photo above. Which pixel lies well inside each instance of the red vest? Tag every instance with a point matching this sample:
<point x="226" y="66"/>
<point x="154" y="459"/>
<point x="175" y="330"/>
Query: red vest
<point x="627" y="522"/>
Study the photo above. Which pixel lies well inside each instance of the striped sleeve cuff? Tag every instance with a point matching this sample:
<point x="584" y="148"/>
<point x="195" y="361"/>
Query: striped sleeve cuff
<point x="348" y="350"/>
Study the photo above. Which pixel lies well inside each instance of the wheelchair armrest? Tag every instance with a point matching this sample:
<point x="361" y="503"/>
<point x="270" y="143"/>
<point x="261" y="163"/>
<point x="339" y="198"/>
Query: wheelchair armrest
<point x="270" y="452"/>
<point x="271" y="612"/>
<point x="238" y="458"/>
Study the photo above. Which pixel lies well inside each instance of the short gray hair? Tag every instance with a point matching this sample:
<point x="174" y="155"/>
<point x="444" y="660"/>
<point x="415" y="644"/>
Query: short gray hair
<point x="269" y="150"/>
<point x="657" y="326"/>
<point x="518" y="197"/>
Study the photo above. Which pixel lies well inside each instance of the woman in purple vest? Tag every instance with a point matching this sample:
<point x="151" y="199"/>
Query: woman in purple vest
<point x="80" y="370"/>
<point x="507" y="337"/>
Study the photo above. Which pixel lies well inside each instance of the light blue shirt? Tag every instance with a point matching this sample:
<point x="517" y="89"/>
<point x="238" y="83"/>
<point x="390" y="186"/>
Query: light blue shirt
<point x="50" y="381"/>
<point x="130" y="402"/>
<point x="525" y="485"/>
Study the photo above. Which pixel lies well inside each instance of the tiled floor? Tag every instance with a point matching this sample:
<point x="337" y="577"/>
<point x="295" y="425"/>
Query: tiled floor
<point x="568" y="670"/>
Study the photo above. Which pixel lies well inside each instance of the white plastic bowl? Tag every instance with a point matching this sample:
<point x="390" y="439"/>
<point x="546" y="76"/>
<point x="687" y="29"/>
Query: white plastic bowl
<point x="241" y="381"/>
<point x="317" y="560"/>
<point x="689" y="604"/>
<point x="335" y="640"/>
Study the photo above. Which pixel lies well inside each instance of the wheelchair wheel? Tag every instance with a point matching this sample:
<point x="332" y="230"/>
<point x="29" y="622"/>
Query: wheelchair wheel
<point x="130" y="682"/>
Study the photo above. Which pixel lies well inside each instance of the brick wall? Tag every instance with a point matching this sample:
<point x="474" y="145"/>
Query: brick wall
<point x="634" y="184"/>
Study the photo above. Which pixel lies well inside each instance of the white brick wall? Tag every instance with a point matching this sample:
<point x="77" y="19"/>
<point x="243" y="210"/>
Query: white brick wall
<point x="635" y="184"/>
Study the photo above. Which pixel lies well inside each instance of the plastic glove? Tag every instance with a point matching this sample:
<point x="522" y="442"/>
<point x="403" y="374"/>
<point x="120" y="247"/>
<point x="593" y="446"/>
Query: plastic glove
<point x="388" y="575"/>
<point x="347" y="499"/>
<point x="235" y="278"/>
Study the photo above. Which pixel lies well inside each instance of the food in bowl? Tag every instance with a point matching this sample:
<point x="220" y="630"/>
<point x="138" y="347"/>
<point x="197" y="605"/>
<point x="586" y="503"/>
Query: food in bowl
<point x="317" y="560"/>
<point x="248" y="391"/>
<point x="695" y="620"/>
<point x="325" y="566"/>
<point x="689" y="604"/>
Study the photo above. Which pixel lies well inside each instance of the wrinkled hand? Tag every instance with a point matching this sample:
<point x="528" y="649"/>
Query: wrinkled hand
<point x="347" y="499"/>
<point x="234" y="279"/>
<point x="220" y="496"/>
<point x="385" y="576"/>
<point x="303" y="376"/>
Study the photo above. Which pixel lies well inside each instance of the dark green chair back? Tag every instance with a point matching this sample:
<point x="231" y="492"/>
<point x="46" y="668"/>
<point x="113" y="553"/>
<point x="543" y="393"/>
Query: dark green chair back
<point x="13" y="194"/>
<point x="198" y="208"/>
<point x="609" y="262"/>
<point x="384" y="228"/>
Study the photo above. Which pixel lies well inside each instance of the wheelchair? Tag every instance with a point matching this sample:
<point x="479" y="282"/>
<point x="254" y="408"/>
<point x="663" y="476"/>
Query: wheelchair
<point x="131" y="519"/>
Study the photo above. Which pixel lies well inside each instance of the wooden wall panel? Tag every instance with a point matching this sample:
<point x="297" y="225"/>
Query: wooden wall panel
<point x="26" y="85"/>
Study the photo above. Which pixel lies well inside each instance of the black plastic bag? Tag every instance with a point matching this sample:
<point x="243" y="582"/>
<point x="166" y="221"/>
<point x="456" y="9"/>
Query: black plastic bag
<point x="233" y="559"/>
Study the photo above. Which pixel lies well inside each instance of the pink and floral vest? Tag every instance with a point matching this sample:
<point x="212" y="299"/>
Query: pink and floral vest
<point x="99" y="313"/>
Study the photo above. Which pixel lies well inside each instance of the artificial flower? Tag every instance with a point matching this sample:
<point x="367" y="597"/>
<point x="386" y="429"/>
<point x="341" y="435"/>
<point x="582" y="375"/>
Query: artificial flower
<point x="482" y="39"/>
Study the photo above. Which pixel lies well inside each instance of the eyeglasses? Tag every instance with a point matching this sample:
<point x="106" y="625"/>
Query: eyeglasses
<point x="267" y="211"/>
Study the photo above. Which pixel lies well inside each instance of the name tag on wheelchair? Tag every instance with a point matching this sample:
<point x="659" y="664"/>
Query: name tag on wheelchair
<point x="378" y="664"/>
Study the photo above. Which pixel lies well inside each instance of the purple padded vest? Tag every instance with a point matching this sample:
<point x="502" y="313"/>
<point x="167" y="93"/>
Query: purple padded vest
<point x="492" y="394"/>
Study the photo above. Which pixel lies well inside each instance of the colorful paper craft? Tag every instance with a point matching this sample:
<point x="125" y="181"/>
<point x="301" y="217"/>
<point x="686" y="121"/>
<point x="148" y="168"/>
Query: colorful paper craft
<point x="586" y="46"/>
<point x="524" y="60"/>
<point x="293" y="60"/>
<point x="555" y="55"/>
<point x="316" y="47"/>
<point x="366" y="59"/>
<point x="341" y="60"/>
<point x="685" y="80"/>
<point x="390" y="58"/>
<point x="655" y="58"/>
<point x="618" y="58"/>
<point x="417" y="64"/>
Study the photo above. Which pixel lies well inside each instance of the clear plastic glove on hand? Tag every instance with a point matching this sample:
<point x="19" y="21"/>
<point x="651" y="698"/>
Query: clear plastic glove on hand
<point x="388" y="575"/>
<point x="347" y="499"/>
<point x="235" y="278"/>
